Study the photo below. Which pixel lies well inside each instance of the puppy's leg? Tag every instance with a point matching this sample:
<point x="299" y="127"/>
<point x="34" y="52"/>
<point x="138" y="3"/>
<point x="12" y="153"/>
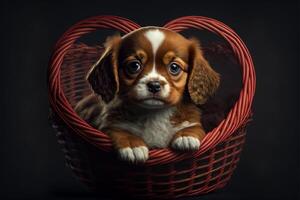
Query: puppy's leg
<point x="130" y="148"/>
<point x="188" y="139"/>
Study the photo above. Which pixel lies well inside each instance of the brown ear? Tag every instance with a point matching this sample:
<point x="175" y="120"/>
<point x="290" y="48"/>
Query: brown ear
<point x="203" y="80"/>
<point x="103" y="76"/>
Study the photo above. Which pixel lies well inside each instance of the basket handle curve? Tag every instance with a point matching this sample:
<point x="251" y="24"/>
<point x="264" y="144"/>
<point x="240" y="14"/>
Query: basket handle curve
<point x="235" y="118"/>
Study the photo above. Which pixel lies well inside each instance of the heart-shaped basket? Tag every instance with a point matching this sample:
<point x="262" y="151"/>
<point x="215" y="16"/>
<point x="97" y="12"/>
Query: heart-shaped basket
<point x="167" y="174"/>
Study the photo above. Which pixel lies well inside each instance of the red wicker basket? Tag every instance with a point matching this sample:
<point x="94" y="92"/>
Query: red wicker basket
<point x="167" y="174"/>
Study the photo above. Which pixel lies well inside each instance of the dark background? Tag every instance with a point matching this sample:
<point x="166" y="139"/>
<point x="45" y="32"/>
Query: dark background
<point x="32" y="164"/>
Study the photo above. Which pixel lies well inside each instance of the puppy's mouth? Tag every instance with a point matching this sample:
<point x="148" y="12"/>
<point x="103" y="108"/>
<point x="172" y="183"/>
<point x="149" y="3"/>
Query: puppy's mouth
<point x="152" y="102"/>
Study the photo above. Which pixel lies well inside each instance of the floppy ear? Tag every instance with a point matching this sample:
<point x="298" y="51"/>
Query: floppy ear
<point x="203" y="80"/>
<point x="103" y="76"/>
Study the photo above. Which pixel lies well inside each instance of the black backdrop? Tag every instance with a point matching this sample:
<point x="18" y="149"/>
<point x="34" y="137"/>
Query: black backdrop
<point x="32" y="165"/>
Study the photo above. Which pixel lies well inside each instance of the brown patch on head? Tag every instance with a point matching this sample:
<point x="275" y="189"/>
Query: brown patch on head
<point x="134" y="48"/>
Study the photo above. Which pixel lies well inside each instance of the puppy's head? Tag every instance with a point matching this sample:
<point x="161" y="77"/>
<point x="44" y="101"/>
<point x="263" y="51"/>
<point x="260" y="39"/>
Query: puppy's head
<point x="152" y="67"/>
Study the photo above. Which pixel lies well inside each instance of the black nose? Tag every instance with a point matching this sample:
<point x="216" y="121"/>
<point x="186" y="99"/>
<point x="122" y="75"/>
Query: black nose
<point x="153" y="86"/>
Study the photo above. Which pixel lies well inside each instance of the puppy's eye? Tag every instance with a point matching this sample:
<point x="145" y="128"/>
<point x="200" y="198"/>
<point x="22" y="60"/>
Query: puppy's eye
<point x="133" y="67"/>
<point x="174" y="69"/>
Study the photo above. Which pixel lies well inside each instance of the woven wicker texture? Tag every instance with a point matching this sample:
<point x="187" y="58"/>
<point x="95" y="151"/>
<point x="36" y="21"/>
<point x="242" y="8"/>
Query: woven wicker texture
<point x="166" y="174"/>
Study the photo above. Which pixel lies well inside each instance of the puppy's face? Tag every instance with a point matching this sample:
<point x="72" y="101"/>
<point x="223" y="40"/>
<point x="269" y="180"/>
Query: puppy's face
<point x="152" y="67"/>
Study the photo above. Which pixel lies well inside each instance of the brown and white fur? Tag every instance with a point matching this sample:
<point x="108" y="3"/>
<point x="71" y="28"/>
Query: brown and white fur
<point x="144" y="103"/>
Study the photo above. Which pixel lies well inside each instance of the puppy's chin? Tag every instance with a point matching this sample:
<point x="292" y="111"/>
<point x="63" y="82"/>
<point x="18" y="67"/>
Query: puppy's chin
<point x="149" y="103"/>
<point x="152" y="104"/>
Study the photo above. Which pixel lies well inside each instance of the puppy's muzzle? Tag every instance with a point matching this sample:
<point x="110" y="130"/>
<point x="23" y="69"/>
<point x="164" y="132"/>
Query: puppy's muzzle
<point x="153" y="86"/>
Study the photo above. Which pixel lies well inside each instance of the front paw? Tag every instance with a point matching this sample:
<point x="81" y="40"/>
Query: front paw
<point x="186" y="143"/>
<point x="134" y="154"/>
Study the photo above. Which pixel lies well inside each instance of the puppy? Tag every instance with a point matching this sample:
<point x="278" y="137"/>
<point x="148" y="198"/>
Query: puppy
<point x="150" y="82"/>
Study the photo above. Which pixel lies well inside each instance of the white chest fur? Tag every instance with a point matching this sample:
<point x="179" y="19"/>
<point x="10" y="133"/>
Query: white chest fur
<point x="155" y="128"/>
<point x="158" y="129"/>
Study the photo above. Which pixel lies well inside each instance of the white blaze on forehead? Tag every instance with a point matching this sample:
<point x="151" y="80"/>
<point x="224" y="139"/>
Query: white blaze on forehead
<point x="156" y="38"/>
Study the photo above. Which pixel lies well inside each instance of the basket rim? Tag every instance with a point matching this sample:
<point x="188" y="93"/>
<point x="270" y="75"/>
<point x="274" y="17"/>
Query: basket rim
<point x="237" y="116"/>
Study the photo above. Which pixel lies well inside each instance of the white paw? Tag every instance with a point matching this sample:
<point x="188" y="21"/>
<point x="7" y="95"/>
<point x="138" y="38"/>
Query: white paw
<point x="186" y="143"/>
<point x="134" y="155"/>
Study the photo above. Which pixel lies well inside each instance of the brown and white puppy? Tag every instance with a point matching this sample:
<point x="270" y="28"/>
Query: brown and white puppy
<point x="151" y="81"/>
